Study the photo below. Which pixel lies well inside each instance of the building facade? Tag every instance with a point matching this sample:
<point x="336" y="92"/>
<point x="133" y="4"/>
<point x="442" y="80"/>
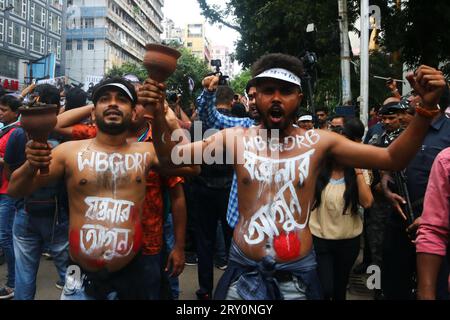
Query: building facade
<point x="223" y="53"/>
<point x="172" y="33"/>
<point x="29" y="30"/>
<point x="104" y="33"/>
<point x="195" y="40"/>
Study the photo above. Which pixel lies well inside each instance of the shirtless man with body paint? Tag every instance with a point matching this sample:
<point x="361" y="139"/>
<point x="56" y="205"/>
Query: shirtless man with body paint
<point x="105" y="179"/>
<point x="277" y="165"/>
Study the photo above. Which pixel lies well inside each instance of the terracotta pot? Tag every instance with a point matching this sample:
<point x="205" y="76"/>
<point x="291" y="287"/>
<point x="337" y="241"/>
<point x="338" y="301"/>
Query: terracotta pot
<point x="38" y="121"/>
<point x="160" y="61"/>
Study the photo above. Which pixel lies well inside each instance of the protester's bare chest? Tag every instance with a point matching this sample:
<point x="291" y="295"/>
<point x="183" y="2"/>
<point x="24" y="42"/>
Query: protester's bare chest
<point x="93" y="171"/>
<point x="276" y="166"/>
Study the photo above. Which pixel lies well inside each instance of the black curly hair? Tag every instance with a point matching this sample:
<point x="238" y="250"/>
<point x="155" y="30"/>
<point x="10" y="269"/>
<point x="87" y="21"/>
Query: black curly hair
<point x="277" y="60"/>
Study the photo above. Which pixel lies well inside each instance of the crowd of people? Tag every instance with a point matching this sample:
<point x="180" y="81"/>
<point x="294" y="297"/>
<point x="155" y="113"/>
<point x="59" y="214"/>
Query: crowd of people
<point x="281" y="199"/>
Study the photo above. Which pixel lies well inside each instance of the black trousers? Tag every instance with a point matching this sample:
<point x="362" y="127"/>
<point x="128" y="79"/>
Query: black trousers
<point x="399" y="264"/>
<point x="335" y="259"/>
<point x="367" y="254"/>
<point x="210" y="205"/>
<point x="191" y="245"/>
<point x="398" y="272"/>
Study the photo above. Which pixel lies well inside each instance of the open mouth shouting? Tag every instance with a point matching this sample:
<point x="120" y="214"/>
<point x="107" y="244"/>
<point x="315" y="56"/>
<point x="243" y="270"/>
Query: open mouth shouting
<point x="276" y="114"/>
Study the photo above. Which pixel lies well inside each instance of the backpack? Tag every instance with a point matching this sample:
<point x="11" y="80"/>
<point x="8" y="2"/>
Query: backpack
<point x="47" y="200"/>
<point x="4" y="130"/>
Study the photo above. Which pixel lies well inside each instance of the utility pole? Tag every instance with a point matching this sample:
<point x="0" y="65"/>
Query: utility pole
<point x="364" y="56"/>
<point x="345" y="53"/>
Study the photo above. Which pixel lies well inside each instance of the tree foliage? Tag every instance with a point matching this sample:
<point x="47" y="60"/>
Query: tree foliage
<point x="280" y="26"/>
<point x="416" y="34"/>
<point x="239" y="83"/>
<point x="128" y="68"/>
<point x="189" y="66"/>
<point x="418" y="30"/>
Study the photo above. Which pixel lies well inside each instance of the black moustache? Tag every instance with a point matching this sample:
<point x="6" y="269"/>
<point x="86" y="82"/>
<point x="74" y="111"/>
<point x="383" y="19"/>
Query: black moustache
<point x="114" y="112"/>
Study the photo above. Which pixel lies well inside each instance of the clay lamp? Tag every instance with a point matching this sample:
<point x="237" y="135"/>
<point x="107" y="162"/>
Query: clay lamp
<point x="160" y="61"/>
<point x="38" y="120"/>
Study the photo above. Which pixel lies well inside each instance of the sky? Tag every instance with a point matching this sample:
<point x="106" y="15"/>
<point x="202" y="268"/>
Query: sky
<point x="182" y="12"/>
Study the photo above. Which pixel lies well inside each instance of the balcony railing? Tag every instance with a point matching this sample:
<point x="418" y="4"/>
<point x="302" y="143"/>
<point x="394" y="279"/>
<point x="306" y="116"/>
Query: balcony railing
<point x="124" y="45"/>
<point x="144" y="24"/>
<point x="122" y="24"/>
<point x="143" y="6"/>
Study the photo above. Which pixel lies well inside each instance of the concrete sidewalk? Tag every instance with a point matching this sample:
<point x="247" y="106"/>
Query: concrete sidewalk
<point x="46" y="289"/>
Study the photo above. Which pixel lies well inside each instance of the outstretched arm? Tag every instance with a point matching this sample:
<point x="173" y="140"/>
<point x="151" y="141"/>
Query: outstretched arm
<point x="429" y="84"/>
<point x="28" y="90"/>
<point x="172" y="146"/>
<point x="25" y="180"/>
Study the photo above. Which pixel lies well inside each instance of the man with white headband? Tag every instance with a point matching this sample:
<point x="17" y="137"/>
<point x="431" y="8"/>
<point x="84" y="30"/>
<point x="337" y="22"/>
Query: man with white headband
<point x="277" y="165"/>
<point x="106" y="183"/>
<point x="305" y="121"/>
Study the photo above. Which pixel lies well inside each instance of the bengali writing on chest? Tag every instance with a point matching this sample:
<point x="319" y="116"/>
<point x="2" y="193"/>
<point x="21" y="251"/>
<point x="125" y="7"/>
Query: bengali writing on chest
<point x="284" y="205"/>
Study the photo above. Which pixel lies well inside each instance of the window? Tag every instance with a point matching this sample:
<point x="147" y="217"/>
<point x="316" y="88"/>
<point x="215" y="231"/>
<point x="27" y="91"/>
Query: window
<point x="37" y="41"/>
<point x="9" y="66"/>
<point x="37" y="14"/>
<point x="58" y="50"/>
<point x="32" y="12"/>
<point x="189" y="44"/>
<point x="20" y="8"/>
<point x="43" y="17"/>
<point x="24" y="9"/>
<point x="69" y="45"/>
<point x="2" y="4"/>
<point x="54" y="46"/>
<point x="50" y="21"/>
<point x="91" y="44"/>
<point x="42" y="48"/>
<point x="58" y="27"/>
<point x="2" y="29"/>
<point x="23" y="36"/>
<point x="10" y="32"/>
<point x="31" y="40"/>
<point x="195" y="30"/>
<point x="57" y="3"/>
<point x="88" y="23"/>
<point x="79" y="44"/>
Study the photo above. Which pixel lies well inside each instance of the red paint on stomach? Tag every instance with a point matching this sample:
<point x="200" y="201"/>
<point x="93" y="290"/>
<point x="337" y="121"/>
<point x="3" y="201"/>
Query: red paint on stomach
<point x="137" y="238"/>
<point x="74" y="241"/>
<point x="287" y="246"/>
<point x="95" y="264"/>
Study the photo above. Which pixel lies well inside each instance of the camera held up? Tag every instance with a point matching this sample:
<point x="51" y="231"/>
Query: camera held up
<point x="223" y="80"/>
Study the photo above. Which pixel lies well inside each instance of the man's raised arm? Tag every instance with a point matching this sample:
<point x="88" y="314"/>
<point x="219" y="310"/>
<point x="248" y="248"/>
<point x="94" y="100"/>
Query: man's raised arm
<point x="26" y="179"/>
<point x="68" y="119"/>
<point x="172" y="147"/>
<point x="207" y="111"/>
<point x="429" y="84"/>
